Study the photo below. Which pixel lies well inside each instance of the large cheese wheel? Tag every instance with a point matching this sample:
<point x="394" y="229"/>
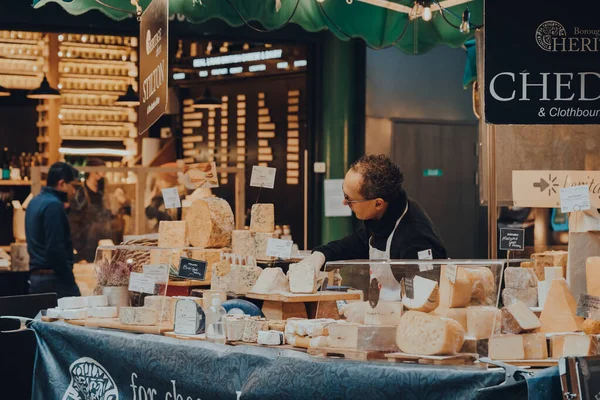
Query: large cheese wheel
<point x="426" y="334"/>
<point x="210" y="223"/>
<point x="482" y="284"/>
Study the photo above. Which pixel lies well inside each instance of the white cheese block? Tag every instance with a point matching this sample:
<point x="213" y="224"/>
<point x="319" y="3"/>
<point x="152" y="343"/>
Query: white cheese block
<point x="234" y="326"/>
<point x="421" y="333"/>
<point x="303" y="278"/>
<point x="273" y="338"/>
<point x="313" y="327"/>
<point x="385" y="313"/>
<point x="482" y="321"/>
<point x="362" y="337"/>
<point x="53" y="313"/>
<point x="507" y="347"/>
<point x="457" y="314"/>
<point x="173" y="234"/>
<point x="262" y="218"/>
<point x="163" y="305"/>
<point x="138" y="316"/>
<point x="291" y="325"/>
<point x="518" y="318"/>
<point x="254" y="244"/>
<point x="579" y="346"/>
<point x="68" y="303"/>
<point x="270" y="281"/>
<point x="527" y="296"/>
<point x="520" y="278"/>
<point x="306" y="342"/>
<point x="426" y="295"/>
<point x="96" y="301"/>
<point x="74" y="313"/>
<point x="210" y="223"/>
<point x="253" y="326"/>
<point x="535" y="346"/>
<point x="103" y="312"/>
<point x="240" y="279"/>
<point x="543" y="289"/>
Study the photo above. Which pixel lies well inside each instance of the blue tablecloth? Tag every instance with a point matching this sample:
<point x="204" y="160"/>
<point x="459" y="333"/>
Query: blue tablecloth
<point x="75" y="362"/>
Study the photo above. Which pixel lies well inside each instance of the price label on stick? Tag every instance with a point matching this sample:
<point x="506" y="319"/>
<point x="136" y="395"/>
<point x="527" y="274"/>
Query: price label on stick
<point x="512" y="239"/>
<point x="279" y="248"/>
<point x="142" y="283"/>
<point x="263" y="177"/>
<point x="575" y="198"/>
<point x="171" y="198"/>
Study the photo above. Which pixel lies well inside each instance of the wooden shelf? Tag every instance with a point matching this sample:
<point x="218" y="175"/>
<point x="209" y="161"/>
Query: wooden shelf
<point x="305" y="298"/>
<point x="97" y="138"/>
<point x="21" y="41"/>
<point x="86" y="107"/>
<point x="90" y="76"/>
<point x="97" y="61"/>
<point x="97" y="46"/>
<point x="125" y="124"/>
<point x="14" y="183"/>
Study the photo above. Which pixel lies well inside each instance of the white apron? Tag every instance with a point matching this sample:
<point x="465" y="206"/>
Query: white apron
<point x="389" y="286"/>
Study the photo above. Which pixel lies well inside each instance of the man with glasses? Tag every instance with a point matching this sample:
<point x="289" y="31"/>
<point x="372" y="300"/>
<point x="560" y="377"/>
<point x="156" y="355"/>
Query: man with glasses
<point x="394" y="226"/>
<point x="49" y="236"/>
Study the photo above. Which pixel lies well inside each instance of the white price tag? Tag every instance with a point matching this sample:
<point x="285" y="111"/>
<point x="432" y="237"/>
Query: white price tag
<point x="160" y="271"/>
<point x="263" y="177"/>
<point x="142" y="283"/>
<point x="451" y="272"/>
<point x="575" y="198"/>
<point x="279" y="248"/>
<point x="425" y="255"/>
<point x="171" y="198"/>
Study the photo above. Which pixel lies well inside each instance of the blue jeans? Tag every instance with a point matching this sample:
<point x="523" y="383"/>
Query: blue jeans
<point x="52" y="284"/>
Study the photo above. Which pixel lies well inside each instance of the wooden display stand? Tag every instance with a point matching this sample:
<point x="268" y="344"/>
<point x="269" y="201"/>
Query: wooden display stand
<point x="350" y="354"/>
<point x="316" y="305"/>
<point x="114" y="323"/>
<point x="549" y="362"/>
<point x="184" y="287"/>
<point x="456" y="359"/>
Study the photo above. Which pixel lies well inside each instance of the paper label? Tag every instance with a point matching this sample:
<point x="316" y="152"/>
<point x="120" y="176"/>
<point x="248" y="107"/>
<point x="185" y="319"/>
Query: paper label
<point x="451" y="272"/>
<point x="160" y="271"/>
<point x="512" y="239"/>
<point x="334" y="199"/>
<point x="171" y="198"/>
<point x="192" y="269"/>
<point x="263" y="177"/>
<point x="588" y="306"/>
<point x="425" y="255"/>
<point x="409" y="289"/>
<point x="279" y="248"/>
<point x="188" y="318"/>
<point x="142" y="283"/>
<point x="575" y="198"/>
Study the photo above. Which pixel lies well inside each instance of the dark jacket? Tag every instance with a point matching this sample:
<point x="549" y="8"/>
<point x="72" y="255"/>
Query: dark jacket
<point x="415" y="233"/>
<point x="49" y="235"/>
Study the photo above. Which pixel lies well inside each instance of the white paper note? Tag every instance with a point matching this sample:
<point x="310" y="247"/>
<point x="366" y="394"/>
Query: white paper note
<point x="425" y="255"/>
<point x="279" y="248"/>
<point x="334" y="199"/>
<point x="142" y="283"/>
<point x="171" y="198"/>
<point x="160" y="271"/>
<point x="575" y="198"/>
<point x="263" y="177"/>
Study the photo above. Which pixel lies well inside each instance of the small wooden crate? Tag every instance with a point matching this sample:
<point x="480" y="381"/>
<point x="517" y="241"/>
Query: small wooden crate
<point x="456" y="359"/>
<point x="350" y="354"/>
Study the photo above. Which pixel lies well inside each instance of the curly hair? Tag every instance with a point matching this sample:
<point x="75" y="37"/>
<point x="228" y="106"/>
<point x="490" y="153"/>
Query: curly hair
<point x="380" y="177"/>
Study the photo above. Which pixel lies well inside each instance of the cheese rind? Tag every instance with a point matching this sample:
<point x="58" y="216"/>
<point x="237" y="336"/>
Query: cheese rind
<point x="74" y="313"/>
<point x="527" y="296"/>
<point x="385" y="313"/>
<point x="457" y="314"/>
<point x="210" y="223"/>
<point x="362" y="337"/>
<point x="590" y="327"/>
<point x="579" y="346"/>
<point x="271" y="280"/>
<point x="518" y="318"/>
<point x="549" y="259"/>
<point x="507" y="347"/>
<point x="137" y="316"/>
<point x="420" y="333"/>
<point x="482" y="321"/>
<point x="303" y="278"/>
<point x="273" y="338"/>
<point x="535" y="346"/>
<point x="173" y="234"/>
<point x="262" y="218"/>
<point x="426" y="295"/>
<point x="103" y="312"/>
<point x="69" y="303"/>
<point x="559" y="313"/>
<point x="477" y="346"/>
<point x="520" y="278"/>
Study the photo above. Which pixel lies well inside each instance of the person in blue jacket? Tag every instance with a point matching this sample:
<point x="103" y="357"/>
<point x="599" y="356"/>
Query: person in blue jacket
<point x="49" y="236"/>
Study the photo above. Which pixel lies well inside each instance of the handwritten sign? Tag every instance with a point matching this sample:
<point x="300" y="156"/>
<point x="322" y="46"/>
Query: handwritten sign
<point x="263" y="177"/>
<point x="192" y="269"/>
<point x="142" y="283"/>
<point x="576" y="198"/>
<point x="512" y="239"/>
<point x="409" y="288"/>
<point x="425" y="255"/>
<point x="588" y="306"/>
<point x="171" y="197"/>
<point x="279" y="248"/>
<point x="160" y="271"/>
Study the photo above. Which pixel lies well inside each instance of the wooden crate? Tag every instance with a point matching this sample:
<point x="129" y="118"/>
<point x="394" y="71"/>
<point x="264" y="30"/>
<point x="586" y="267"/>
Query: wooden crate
<point x="350" y="354"/>
<point x="456" y="359"/>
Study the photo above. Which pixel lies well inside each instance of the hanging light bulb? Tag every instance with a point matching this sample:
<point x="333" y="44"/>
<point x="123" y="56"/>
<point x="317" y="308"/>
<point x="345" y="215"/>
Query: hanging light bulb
<point x="321" y="1"/>
<point x="465" y="25"/>
<point x="426" y="11"/>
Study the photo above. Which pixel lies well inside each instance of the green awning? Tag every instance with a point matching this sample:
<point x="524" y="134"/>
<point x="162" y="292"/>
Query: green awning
<point x="377" y="26"/>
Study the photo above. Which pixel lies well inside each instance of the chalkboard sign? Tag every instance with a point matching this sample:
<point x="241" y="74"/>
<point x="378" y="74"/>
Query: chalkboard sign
<point x="374" y="289"/>
<point x="409" y="289"/>
<point x="192" y="269"/>
<point x="512" y="239"/>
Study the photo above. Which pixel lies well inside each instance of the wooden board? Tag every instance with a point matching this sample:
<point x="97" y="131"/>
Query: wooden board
<point x="305" y="298"/>
<point x="185" y="337"/>
<point x="280" y="347"/>
<point x="549" y="362"/>
<point x="456" y="359"/>
<point x="350" y="354"/>
<point x="189" y="282"/>
<point x="114" y="323"/>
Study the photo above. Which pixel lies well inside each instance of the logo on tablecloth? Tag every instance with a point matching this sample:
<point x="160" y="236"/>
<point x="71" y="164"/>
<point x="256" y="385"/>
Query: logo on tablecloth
<point x="90" y="381"/>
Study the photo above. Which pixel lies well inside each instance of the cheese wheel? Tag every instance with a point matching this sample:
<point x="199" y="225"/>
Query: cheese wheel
<point x="103" y="312"/>
<point x="96" y="301"/>
<point x="457" y="314"/>
<point x="518" y="318"/>
<point x="75" y="313"/>
<point x="172" y="234"/>
<point x="69" y="303"/>
<point x="483" y="285"/>
<point x="210" y="223"/>
<point x="420" y="333"/>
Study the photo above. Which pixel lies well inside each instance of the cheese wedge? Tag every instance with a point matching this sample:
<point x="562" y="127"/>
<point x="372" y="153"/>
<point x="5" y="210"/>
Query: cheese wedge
<point x="420" y="333"/>
<point x="518" y="318"/>
<point x="303" y="278"/>
<point x="262" y="218"/>
<point x="482" y="321"/>
<point x="507" y="347"/>
<point x="426" y="295"/>
<point x="559" y="310"/>
<point x="454" y="294"/>
<point x="580" y="346"/>
<point x="535" y="346"/>
<point x="271" y="280"/>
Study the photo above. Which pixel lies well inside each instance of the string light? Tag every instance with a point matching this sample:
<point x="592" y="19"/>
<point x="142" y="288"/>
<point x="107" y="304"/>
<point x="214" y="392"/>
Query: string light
<point x="426" y="11"/>
<point x="465" y="25"/>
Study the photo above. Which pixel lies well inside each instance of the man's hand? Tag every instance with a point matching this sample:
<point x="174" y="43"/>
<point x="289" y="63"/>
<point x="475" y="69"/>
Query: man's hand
<point x="316" y="259"/>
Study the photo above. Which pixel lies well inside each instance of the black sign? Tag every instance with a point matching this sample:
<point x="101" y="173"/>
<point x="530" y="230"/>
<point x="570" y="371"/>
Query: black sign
<point x="374" y="290"/>
<point x="542" y="63"/>
<point x="154" y="63"/>
<point x="512" y="239"/>
<point x="409" y="289"/>
<point x="192" y="269"/>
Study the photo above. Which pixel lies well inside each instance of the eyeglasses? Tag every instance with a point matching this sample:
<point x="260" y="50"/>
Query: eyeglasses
<point x="350" y="202"/>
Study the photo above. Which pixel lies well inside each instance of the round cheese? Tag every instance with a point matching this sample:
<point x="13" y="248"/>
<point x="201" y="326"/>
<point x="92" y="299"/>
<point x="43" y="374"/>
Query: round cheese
<point x="96" y="301"/>
<point x="68" y="303"/>
<point x="210" y="223"/>
<point x="426" y="334"/>
<point x="103" y="312"/>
